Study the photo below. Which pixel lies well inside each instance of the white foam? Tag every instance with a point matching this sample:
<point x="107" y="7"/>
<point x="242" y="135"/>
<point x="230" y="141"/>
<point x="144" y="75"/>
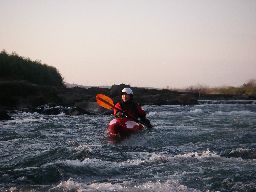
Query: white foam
<point x="88" y="162"/>
<point x="101" y="165"/>
<point x="199" y="155"/>
<point x="26" y="117"/>
<point x="13" y="189"/>
<point x="61" y="114"/>
<point x="88" y="148"/>
<point x="196" y="111"/>
<point x="169" y="185"/>
<point x="151" y="114"/>
<point x="95" y="164"/>
<point x="149" y="186"/>
<point x="145" y="157"/>
<point x="69" y="185"/>
<point x="244" y="112"/>
<point x="104" y="187"/>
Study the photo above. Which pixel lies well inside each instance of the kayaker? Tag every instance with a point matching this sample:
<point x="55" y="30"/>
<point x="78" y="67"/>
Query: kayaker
<point x="128" y="107"/>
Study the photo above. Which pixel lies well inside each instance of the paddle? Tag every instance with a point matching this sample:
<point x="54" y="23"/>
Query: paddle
<point x="107" y="103"/>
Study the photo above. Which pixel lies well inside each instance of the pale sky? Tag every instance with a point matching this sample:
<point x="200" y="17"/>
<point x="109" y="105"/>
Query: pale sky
<point x="145" y="43"/>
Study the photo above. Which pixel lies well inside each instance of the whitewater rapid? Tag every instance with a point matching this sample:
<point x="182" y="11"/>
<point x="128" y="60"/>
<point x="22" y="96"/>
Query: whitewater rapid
<point x="206" y="147"/>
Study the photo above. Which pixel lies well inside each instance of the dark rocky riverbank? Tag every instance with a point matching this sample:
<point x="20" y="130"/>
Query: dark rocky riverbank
<point x="25" y="96"/>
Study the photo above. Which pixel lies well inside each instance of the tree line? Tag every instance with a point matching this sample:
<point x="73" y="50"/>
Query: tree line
<point x="17" y="68"/>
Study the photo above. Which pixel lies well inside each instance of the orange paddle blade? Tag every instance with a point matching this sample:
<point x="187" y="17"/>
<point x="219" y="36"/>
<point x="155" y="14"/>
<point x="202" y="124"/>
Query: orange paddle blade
<point x="105" y="101"/>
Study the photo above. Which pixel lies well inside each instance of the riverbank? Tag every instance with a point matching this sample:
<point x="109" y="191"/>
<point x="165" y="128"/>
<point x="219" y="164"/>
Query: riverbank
<point x="22" y="95"/>
<point x="52" y="100"/>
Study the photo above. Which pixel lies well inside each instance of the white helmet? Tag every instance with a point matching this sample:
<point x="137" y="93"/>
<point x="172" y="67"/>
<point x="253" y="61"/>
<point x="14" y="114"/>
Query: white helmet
<point x="127" y="91"/>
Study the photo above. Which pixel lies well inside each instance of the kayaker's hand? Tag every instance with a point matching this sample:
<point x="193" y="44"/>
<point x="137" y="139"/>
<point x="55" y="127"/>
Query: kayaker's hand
<point x="146" y="122"/>
<point x="120" y="114"/>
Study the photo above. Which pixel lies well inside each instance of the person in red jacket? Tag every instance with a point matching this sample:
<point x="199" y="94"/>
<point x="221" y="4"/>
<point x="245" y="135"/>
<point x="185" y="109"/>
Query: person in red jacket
<point x="127" y="107"/>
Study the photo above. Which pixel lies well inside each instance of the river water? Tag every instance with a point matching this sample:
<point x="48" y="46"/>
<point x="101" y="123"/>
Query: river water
<point x="206" y="147"/>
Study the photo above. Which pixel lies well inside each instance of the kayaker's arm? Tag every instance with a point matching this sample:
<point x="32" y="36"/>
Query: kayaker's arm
<point x="146" y="122"/>
<point x="142" y="117"/>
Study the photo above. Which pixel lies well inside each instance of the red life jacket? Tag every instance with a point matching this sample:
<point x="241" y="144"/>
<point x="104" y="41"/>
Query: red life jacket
<point x="131" y="109"/>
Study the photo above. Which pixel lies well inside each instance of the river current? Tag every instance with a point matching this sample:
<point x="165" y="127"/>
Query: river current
<point x="206" y="147"/>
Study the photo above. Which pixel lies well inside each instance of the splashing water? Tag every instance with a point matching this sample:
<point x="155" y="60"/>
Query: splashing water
<point x="208" y="147"/>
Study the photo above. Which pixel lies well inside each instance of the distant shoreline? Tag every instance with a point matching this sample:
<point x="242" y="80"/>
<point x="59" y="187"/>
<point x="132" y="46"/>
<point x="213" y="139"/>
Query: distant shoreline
<point x="27" y="85"/>
<point x="25" y="96"/>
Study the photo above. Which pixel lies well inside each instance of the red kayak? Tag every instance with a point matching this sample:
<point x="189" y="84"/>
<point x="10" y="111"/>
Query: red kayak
<point x="123" y="127"/>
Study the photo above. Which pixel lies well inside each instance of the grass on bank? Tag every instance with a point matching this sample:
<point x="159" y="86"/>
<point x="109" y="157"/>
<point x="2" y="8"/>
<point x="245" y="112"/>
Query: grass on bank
<point x="247" y="89"/>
